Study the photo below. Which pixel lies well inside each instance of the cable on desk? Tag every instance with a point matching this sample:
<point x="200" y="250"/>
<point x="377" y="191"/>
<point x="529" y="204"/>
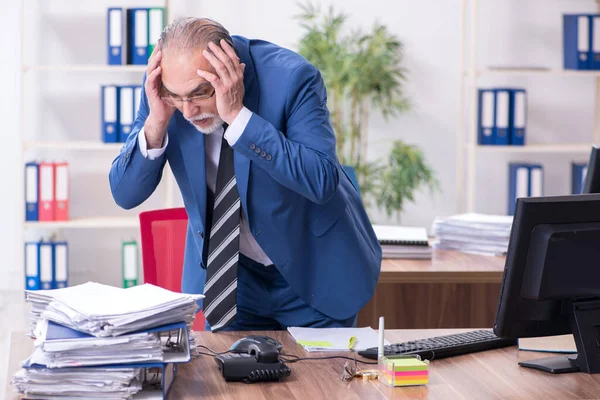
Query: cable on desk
<point x="296" y="359"/>
<point x="285" y="357"/>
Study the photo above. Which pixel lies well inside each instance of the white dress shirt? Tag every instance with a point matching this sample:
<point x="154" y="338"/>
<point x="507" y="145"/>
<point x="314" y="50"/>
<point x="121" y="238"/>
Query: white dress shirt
<point x="212" y="145"/>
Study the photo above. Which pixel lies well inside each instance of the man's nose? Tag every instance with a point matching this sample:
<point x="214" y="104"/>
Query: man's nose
<point x="189" y="110"/>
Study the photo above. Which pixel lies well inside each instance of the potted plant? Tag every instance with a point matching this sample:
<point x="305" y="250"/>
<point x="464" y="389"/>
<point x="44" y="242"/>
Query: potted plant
<point x="362" y="73"/>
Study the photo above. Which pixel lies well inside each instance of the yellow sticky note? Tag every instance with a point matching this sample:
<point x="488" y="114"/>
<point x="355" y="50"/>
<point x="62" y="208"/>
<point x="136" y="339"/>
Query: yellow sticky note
<point x="314" y="344"/>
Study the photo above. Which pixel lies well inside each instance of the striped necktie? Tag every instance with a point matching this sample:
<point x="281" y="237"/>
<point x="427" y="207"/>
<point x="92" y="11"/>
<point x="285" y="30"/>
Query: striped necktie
<point x="220" y="289"/>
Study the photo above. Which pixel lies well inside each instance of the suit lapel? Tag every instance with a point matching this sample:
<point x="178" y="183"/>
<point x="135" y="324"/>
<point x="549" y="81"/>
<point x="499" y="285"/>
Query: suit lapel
<point x="251" y="101"/>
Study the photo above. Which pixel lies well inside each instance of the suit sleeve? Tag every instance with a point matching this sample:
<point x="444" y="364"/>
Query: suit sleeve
<point x="133" y="177"/>
<point x="303" y="159"/>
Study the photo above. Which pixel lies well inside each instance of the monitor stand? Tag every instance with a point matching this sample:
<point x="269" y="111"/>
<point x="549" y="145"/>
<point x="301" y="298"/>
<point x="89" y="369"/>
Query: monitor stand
<point x="585" y="325"/>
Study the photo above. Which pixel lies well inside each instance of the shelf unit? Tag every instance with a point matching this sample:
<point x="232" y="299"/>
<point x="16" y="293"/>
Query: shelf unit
<point x="467" y="147"/>
<point x="41" y="143"/>
<point x="89" y="223"/>
<point x="84" y="146"/>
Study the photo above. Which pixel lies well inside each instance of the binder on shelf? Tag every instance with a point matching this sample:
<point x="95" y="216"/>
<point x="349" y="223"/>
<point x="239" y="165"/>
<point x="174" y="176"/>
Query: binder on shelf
<point x="156" y="24"/>
<point x="486" y="117"/>
<point x="61" y="191"/>
<point x="525" y="180"/>
<point x="130" y="263"/>
<point x="518" y="116"/>
<point x="578" y="172"/>
<point x="536" y="181"/>
<point x="595" y="45"/>
<point x="126" y="112"/>
<point x="110" y="113"/>
<point x="115" y="36"/>
<point x="502" y="117"/>
<point x="137" y="36"/>
<point x="32" y="266"/>
<point x="46" y="191"/>
<point x="576" y="41"/>
<point x="46" y="261"/>
<point x="61" y="265"/>
<point x="31" y="191"/>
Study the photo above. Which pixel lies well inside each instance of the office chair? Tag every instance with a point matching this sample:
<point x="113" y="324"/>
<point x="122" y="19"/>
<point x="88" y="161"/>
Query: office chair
<point x="163" y="234"/>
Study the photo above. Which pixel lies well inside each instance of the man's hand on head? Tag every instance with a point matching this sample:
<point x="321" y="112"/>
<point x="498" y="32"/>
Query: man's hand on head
<point x="228" y="82"/>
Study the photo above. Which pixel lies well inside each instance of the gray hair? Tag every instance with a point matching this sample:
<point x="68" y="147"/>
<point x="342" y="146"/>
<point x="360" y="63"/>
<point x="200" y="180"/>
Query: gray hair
<point x="189" y="34"/>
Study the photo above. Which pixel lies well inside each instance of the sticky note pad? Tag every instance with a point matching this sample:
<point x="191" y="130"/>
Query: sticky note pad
<point x="403" y="371"/>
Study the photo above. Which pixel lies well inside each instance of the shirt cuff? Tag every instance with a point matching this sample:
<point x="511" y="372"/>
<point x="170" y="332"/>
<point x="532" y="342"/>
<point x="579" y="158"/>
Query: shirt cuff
<point x="151" y="154"/>
<point x="237" y="127"/>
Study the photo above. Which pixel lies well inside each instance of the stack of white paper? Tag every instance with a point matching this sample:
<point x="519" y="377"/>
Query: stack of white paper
<point x="101" y="342"/>
<point x="58" y="347"/>
<point x="89" y="383"/>
<point x="40" y="299"/>
<point x="473" y="233"/>
<point x="114" y="313"/>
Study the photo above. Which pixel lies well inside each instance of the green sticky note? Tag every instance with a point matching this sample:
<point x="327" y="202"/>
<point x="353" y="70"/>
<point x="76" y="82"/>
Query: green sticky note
<point x="314" y="344"/>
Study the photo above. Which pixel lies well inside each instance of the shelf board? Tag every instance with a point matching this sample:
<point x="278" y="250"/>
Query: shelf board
<point x="96" y="222"/>
<point x="72" y="145"/>
<point x="85" y="68"/>
<point x="537" y="148"/>
<point x="535" y="71"/>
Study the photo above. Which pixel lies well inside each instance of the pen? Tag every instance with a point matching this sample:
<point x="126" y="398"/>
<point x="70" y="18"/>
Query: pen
<point x="380" y="350"/>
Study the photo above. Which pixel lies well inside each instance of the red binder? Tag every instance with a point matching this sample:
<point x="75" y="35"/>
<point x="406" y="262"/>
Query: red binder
<point x="61" y="191"/>
<point x="46" y="191"/>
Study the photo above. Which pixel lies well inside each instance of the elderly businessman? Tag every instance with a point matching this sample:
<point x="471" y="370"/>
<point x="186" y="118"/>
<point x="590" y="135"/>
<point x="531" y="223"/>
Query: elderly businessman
<point x="277" y="234"/>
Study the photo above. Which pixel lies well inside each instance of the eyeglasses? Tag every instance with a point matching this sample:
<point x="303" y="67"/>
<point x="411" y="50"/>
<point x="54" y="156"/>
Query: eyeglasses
<point x="174" y="101"/>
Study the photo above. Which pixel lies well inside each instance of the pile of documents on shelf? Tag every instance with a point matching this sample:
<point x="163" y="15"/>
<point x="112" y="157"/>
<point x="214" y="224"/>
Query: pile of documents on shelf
<point x="98" y="341"/>
<point x="473" y="233"/>
<point x="408" y="242"/>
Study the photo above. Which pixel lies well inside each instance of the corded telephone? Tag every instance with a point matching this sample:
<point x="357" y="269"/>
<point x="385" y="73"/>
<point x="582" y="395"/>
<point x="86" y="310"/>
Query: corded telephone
<point x="253" y="359"/>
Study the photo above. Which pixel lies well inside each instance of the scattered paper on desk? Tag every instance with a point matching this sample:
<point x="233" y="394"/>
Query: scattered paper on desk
<point x="335" y="339"/>
<point x="552" y="344"/>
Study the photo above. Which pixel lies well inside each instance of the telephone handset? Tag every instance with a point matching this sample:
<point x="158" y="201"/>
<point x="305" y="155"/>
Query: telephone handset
<point x="253" y="359"/>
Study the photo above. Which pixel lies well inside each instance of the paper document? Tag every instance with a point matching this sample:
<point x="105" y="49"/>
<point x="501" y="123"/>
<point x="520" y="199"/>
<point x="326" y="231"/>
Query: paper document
<point x="335" y="339"/>
<point x="552" y="344"/>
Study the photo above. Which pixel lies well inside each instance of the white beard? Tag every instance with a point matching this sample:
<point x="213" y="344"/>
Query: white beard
<point x="217" y="122"/>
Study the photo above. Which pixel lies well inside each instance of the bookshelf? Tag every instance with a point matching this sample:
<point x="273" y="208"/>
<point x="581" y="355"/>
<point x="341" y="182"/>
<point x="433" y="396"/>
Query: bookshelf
<point x="468" y="151"/>
<point x="80" y="140"/>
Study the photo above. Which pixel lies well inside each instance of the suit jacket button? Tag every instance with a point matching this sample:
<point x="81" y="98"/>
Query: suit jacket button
<point x="268" y="157"/>
<point x="257" y="150"/>
<point x="263" y="153"/>
<point x="252" y="146"/>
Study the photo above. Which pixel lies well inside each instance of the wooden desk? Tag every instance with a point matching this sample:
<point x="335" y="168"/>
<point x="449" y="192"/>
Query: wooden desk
<point x="452" y="290"/>
<point x="486" y="375"/>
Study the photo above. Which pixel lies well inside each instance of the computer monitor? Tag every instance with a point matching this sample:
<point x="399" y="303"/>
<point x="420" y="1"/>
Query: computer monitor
<point x="551" y="282"/>
<point x="591" y="182"/>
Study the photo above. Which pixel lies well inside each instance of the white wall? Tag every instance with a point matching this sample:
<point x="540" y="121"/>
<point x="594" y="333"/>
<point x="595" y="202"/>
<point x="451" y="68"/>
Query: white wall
<point x="66" y="105"/>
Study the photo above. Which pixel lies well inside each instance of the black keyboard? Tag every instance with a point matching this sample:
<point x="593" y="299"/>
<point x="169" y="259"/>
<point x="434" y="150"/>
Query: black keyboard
<point x="444" y="346"/>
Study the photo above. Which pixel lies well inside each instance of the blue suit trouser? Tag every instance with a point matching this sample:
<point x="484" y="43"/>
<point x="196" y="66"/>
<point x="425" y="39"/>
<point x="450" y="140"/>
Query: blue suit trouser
<point x="265" y="301"/>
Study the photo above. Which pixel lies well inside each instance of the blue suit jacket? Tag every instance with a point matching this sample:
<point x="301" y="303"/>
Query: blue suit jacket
<point x="301" y="207"/>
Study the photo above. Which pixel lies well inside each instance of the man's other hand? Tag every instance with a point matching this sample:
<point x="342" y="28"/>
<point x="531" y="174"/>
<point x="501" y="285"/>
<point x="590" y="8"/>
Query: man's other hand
<point x="229" y="81"/>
